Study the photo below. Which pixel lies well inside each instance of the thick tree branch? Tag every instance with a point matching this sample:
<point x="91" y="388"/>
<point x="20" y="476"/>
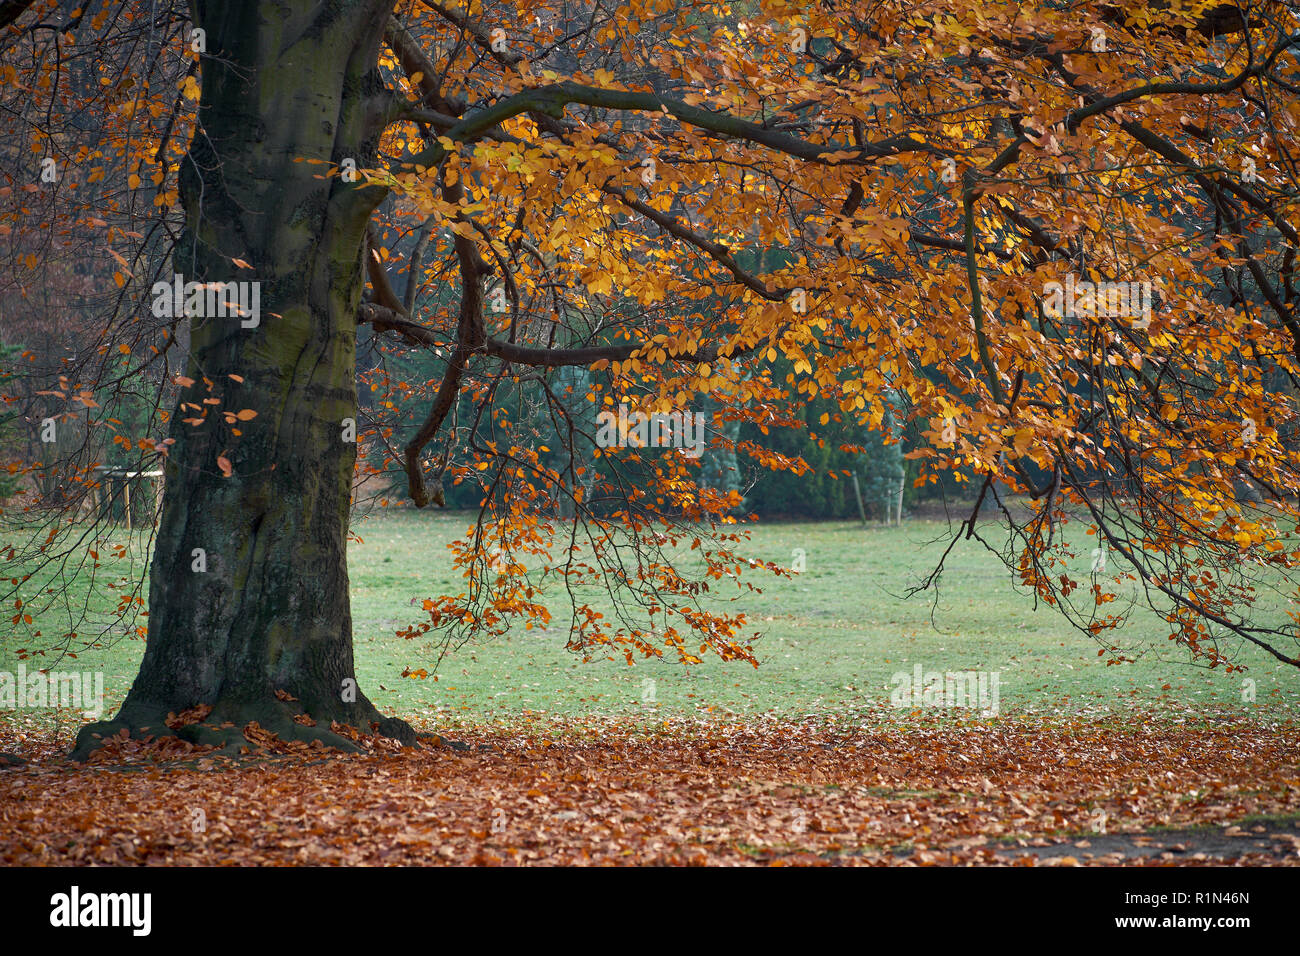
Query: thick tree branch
<point x="415" y="63"/>
<point x="11" y="10"/>
<point x="415" y="265"/>
<point x="387" y="320"/>
<point x="716" y="250"/>
<point x="552" y="99"/>
<point x="383" y="289"/>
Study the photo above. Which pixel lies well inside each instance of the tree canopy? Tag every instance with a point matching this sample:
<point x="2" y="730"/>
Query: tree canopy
<point x="1057" y="241"/>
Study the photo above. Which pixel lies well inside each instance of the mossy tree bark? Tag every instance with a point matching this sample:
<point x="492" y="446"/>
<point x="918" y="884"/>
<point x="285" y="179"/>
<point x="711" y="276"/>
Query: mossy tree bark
<point x="281" y="82"/>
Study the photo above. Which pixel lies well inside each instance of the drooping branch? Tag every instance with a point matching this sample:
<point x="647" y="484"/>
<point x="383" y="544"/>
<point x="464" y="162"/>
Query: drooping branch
<point x="969" y="196"/>
<point x="470" y="336"/>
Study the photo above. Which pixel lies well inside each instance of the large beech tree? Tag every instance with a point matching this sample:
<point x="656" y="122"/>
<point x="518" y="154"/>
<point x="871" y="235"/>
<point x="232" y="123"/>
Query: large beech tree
<point x="925" y="204"/>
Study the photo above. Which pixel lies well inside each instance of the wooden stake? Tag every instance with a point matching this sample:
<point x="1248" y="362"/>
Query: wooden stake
<point x="857" y="496"/>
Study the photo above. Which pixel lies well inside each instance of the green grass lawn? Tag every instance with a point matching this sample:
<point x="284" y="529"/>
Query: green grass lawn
<point x="831" y="639"/>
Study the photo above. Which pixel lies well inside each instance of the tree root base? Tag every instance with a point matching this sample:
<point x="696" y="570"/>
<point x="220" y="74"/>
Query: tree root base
<point x="236" y="730"/>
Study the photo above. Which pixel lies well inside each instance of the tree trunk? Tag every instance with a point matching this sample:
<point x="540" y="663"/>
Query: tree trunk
<point x="269" y="613"/>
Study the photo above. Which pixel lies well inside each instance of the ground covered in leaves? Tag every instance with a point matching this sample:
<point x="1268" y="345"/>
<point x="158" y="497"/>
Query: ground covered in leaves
<point x="1008" y="791"/>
